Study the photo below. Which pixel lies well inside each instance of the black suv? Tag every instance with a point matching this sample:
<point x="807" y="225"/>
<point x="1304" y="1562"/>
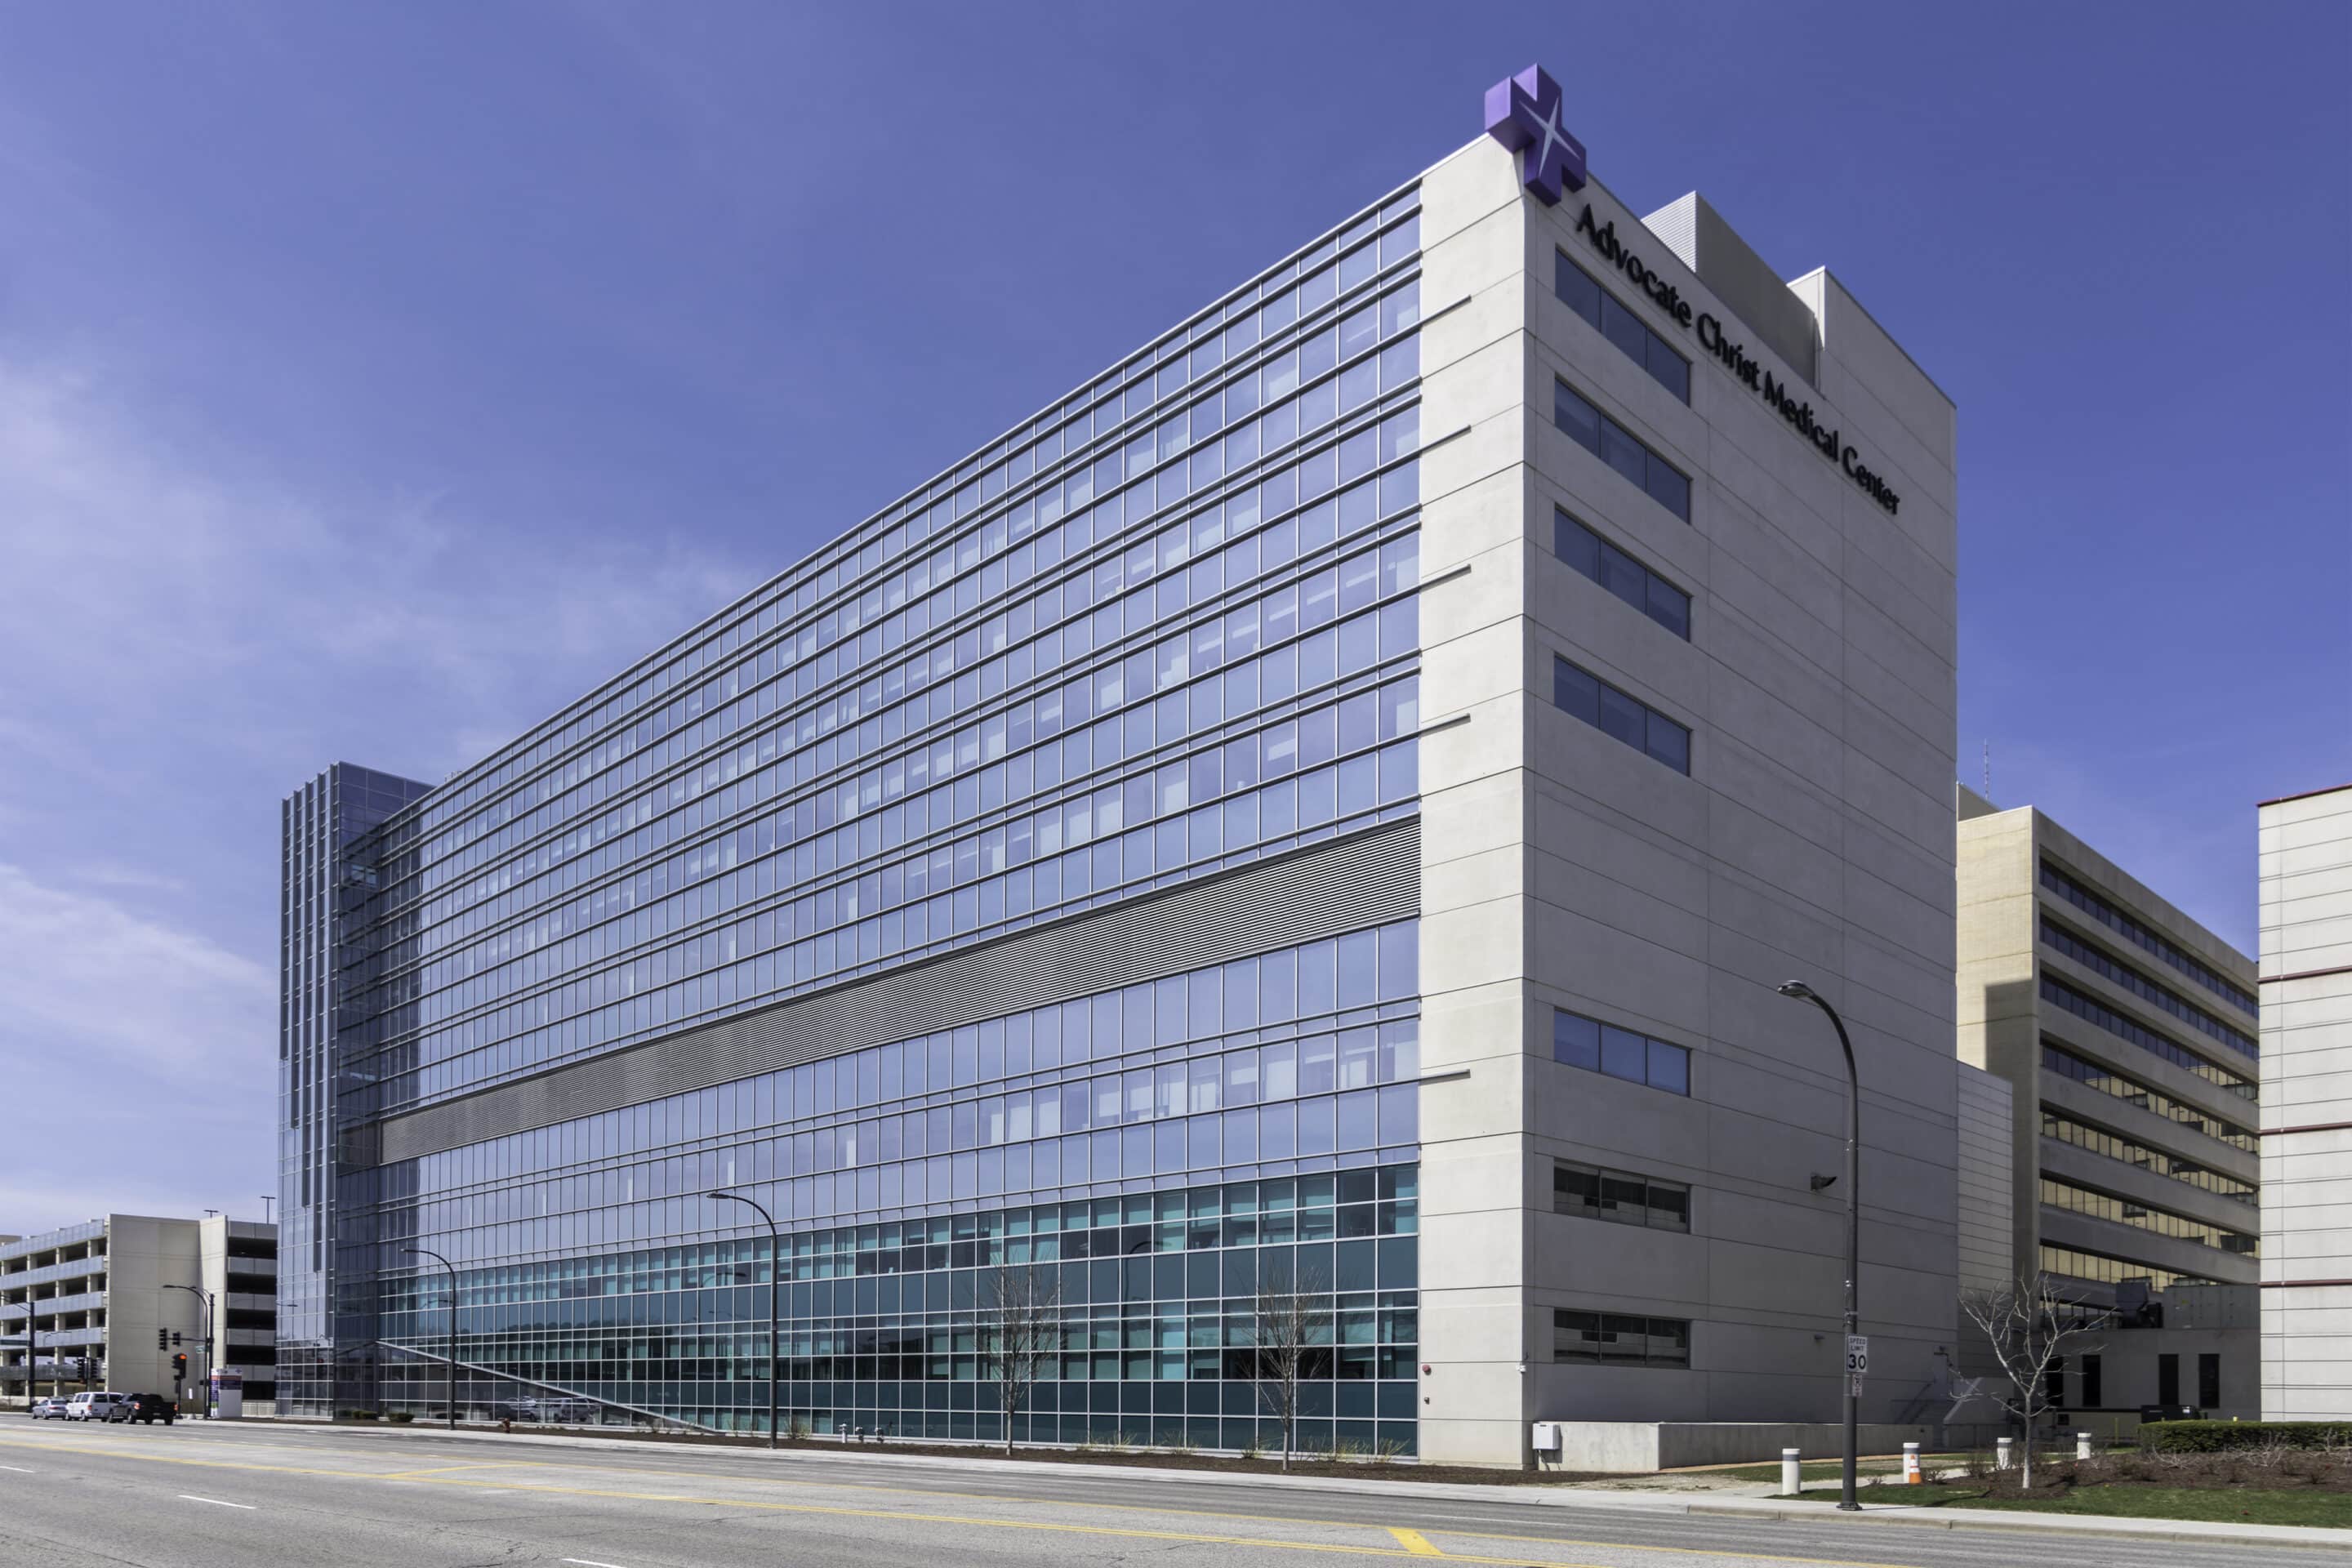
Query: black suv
<point x="148" y="1407"/>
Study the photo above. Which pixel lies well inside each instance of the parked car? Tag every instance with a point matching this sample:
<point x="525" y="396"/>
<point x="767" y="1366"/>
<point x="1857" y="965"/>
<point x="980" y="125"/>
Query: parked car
<point x="89" y="1406"/>
<point x="48" y="1408"/>
<point x="146" y="1407"/>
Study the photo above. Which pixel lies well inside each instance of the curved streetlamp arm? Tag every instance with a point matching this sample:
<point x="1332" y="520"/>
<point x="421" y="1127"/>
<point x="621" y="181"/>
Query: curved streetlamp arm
<point x="444" y="1263"/>
<point x="775" y="1273"/>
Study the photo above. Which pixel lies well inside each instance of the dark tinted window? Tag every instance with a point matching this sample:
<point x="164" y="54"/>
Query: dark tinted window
<point x="1623" y="717"/>
<point x="1576" y="693"/>
<point x="1576" y="288"/>
<point x="1668" y="605"/>
<point x="1620" y="1339"/>
<point x="1620" y="325"/>
<point x="1621" y="449"/>
<point x="1621" y="574"/>
<point x="1671" y="370"/>
<point x="1669" y="743"/>
<point x="1577" y="1041"/>
<point x="1572" y="413"/>
<point x="1585" y="696"/>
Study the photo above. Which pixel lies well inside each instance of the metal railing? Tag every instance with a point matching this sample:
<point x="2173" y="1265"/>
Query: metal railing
<point x="475" y="1405"/>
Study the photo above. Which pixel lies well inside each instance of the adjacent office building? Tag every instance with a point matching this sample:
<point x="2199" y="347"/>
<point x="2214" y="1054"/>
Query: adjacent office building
<point x="324" y="868"/>
<point x="114" y="1300"/>
<point x="1323" y="805"/>
<point x="2306" y="936"/>
<point x="2129" y="1037"/>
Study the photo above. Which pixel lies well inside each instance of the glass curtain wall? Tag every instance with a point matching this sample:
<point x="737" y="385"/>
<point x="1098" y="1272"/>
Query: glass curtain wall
<point x="1166" y="630"/>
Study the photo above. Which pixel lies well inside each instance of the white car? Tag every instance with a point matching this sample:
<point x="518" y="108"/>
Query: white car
<point x="48" y="1408"/>
<point x="93" y="1406"/>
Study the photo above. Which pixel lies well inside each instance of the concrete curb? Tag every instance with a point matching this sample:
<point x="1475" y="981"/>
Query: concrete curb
<point x="1791" y="1511"/>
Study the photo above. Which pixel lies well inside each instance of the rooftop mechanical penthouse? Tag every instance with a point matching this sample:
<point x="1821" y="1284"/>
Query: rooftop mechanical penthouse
<point x="1327" y="802"/>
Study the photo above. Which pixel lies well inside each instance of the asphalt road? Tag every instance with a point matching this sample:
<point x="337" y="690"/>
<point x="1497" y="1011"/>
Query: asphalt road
<point x="259" y="1496"/>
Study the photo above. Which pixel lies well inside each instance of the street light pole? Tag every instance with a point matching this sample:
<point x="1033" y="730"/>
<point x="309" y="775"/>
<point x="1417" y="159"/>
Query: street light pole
<point x="427" y="1252"/>
<point x="775" y="1271"/>
<point x="205" y="1299"/>
<point x="1800" y="991"/>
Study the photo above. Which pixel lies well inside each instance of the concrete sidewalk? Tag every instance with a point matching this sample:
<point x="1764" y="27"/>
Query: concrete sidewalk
<point x="1584" y="1498"/>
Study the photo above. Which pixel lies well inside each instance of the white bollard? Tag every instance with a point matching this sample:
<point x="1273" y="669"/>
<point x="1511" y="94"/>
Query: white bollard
<point x="1793" y="1474"/>
<point x="1911" y="1476"/>
<point x="2082" y="1444"/>
<point x="2001" y="1453"/>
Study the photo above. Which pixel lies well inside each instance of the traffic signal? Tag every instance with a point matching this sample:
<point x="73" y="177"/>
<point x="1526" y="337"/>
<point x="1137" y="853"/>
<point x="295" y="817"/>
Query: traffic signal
<point x="180" y="1367"/>
<point x="163" y="1338"/>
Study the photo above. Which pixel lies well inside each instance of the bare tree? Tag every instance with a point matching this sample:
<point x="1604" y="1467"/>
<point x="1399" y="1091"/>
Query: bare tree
<point x="1020" y="1334"/>
<point x="2031" y="1325"/>
<point x="1292" y="1325"/>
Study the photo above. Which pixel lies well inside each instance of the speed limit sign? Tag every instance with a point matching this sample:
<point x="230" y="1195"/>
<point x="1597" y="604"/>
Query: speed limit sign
<point x="1858" y="1354"/>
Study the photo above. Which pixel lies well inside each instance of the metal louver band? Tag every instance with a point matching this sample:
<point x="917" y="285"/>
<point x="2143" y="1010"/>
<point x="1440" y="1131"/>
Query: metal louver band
<point x="1367" y="878"/>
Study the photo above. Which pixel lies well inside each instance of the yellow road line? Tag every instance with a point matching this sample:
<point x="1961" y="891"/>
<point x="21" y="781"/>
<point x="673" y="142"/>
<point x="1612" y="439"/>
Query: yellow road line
<point x="963" y="1521"/>
<point x="981" y="1521"/>
<point x="1502" y="1497"/>
<point x="438" y="1479"/>
<point x="1415" y="1542"/>
<point x="622" y="1464"/>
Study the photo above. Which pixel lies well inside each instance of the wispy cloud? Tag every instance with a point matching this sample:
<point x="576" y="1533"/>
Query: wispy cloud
<point x="116" y="1020"/>
<point x="109" y="876"/>
<point x="114" y="991"/>
<point x="186" y="633"/>
<point x="179" y="587"/>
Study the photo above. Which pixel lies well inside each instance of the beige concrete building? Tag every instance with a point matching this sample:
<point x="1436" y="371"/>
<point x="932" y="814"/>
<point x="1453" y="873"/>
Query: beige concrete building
<point x="122" y="1291"/>
<point x="2129" y="1034"/>
<point x="1688" y="691"/>
<point x="2306" y="939"/>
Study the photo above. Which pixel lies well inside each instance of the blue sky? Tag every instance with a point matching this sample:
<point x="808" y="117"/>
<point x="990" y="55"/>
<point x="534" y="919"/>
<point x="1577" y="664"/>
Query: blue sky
<point x="374" y="378"/>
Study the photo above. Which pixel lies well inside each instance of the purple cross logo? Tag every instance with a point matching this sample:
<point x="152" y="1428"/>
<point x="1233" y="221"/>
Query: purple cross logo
<point x="1523" y="114"/>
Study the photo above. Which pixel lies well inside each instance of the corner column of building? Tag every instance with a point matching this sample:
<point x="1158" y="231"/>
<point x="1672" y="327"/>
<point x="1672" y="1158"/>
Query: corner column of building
<point x="2305" y="916"/>
<point x="1999" y="1027"/>
<point x="1475" y="834"/>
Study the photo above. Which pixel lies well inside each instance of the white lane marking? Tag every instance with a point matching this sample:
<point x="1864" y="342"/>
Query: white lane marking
<point x="190" y="1496"/>
<point x="588" y="1562"/>
<point x="18" y="1468"/>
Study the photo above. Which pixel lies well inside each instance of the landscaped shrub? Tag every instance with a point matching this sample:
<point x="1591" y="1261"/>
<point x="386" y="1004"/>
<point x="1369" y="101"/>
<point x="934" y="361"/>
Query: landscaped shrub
<point x="2219" y="1437"/>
